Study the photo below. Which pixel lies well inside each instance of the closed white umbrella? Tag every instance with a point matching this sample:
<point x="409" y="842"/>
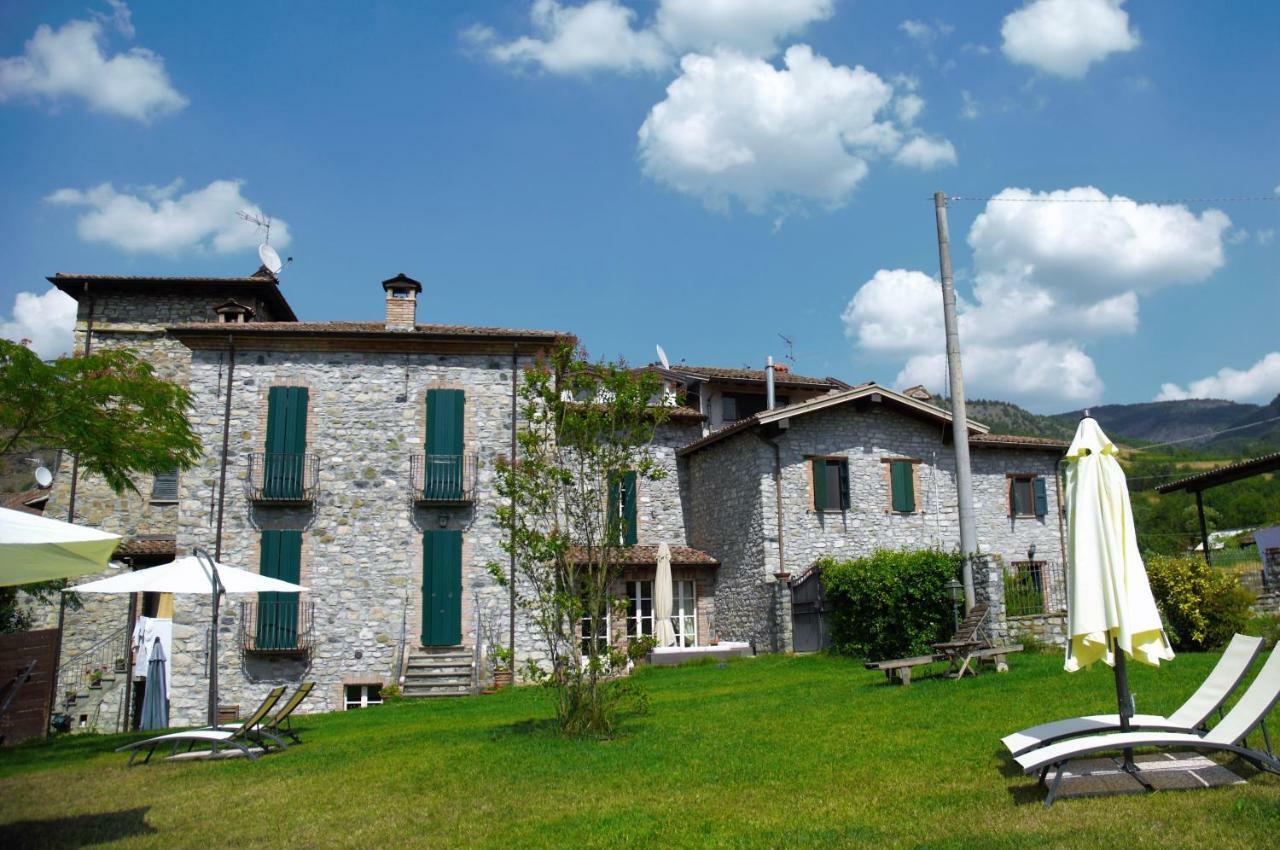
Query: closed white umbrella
<point x="662" y="630"/>
<point x="197" y="573"/>
<point x="38" y="548"/>
<point x="1111" y="613"/>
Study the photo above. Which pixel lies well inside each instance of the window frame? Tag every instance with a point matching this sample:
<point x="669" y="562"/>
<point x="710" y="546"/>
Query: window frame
<point x="690" y="616"/>
<point x="636" y="618"/>
<point x="914" y="462"/>
<point x="164" y="498"/>
<point x="1030" y="479"/>
<point x="843" y="498"/>
<point x="364" y="701"/>
<point x="606" y="635"/>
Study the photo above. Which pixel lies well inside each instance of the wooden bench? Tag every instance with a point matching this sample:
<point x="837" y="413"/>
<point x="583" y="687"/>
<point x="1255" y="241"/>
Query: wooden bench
<point x="903" y="666"/>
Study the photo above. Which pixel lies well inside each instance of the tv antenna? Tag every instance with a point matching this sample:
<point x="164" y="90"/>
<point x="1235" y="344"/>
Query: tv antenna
<point x="270" y="259"/>
<point x="791" y="348"/>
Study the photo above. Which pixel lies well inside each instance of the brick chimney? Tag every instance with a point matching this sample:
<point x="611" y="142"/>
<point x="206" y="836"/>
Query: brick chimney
<point x="402" y="302"/>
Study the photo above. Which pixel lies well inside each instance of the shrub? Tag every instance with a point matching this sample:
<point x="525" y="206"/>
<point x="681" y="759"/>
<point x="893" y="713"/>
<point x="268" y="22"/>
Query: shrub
<point x="890" y="604"/>
<point x="1202" y="607"/>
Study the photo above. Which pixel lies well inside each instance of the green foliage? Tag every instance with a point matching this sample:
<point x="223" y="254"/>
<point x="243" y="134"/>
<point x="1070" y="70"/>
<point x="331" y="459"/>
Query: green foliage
<point x="891" y="604"/>
<point x="16" y="617"/>
<point x="1265" y="626"/>
<point x="1202" y="607"/>
<point x="391" y="692"/>
<point x="639" y="647"/>
<point x="108" y="408"/>
<point x="586" y="425"/>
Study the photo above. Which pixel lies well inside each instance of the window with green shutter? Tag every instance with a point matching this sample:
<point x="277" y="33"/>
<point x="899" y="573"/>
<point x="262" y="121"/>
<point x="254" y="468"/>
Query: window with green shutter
<point x="280" y="557"/>
<point x="1028" y="496"/>
<point x="285" y="459"/>
<point x="830" y="483"/>
<point x="164" y="487"/>
<point x="444" y="463"/>
<point x="903" y="484"/>
<point x="622" y="508"/>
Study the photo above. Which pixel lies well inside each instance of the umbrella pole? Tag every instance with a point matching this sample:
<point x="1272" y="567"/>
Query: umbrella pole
<point x="1125" y="700"/>
<point x="213" y="637"/>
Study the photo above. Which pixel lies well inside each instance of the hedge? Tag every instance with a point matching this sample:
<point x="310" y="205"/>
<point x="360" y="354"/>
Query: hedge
<point x="1202" y="606"/>
<point x="891" y="604"/>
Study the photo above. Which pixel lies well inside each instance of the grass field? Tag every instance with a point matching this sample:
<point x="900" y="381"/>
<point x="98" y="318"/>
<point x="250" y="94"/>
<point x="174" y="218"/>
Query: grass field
<point x="765" y="752"/>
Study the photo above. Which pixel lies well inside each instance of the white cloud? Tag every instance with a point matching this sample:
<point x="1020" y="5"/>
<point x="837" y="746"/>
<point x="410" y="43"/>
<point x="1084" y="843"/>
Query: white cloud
<point x="1048" y="279"/>
<point x="596" y="36"/>
<point x="157" y="220"/>
<point x="925" y="153"/>
<point x="48" y="320"/>
<point x="120" y="18"/>
<point x="1065" y="37"/>
<point x="69" y="63"/>
<point x="924" y="33"/>
<point x="1265" y="236"/>
<point x="752" y="27"/>
<point x="1238" y="236"/>
<point x="969" y="106"/>
<point x="908" y="108"/>
<point x="1260" y="382"/>
<point x="736" y="127"/>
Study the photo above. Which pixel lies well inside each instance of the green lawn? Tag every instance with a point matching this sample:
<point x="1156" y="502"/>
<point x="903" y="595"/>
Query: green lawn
<point x="763" y="752"/>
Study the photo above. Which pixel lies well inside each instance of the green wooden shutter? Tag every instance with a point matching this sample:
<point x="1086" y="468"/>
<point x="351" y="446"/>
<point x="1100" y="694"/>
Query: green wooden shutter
<point x="844" y="485"/>
<point x="904" y="491"/>
<point x="819" y="484"/>
<point x="443" y="468"/>
<point x="286" y="443"/>
<point x="629" y="525"/>
<point x="613" y="510"/>
<point x="442" y="587"/>
<point x="1041" y="496"/>
<point x="281" y="557"/>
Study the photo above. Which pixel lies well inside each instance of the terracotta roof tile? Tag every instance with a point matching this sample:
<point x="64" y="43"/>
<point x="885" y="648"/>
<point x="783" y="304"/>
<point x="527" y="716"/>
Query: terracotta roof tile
<point x="22" y="500"/>
<point x="685" y="556"/>
<point x="1015" y="441"/>
<point x="780" y="377"/>
<point x="147" y="544"/>
<point x="346" y="328"/>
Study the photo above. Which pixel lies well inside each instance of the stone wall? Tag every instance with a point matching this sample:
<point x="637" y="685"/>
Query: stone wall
<point x="1042" y="628"/>
<point x="362" y="538"/>
<point x="660" y="514"/>
<point x="728" y="484"/>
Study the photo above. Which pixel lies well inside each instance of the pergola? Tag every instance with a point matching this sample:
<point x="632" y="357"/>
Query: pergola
<point x="1202" y="481"/>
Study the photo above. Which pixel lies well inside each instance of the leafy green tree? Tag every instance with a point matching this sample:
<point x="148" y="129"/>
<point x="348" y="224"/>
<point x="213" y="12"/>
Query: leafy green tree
<point x="108" y="408"/>
<point x="586" y="426"/>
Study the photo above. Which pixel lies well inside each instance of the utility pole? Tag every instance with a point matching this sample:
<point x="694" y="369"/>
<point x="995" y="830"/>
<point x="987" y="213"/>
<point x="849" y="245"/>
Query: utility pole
<point x="959" y="418"/>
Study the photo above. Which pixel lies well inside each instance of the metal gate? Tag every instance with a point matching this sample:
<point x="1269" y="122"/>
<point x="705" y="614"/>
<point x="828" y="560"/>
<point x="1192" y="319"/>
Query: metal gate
<point x="809" y="612"/>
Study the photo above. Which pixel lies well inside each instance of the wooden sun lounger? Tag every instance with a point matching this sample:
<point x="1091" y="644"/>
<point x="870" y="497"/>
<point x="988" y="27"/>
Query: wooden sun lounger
<point x="967" y="646"/>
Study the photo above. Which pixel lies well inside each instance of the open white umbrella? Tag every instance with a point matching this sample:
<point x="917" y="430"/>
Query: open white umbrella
<point x="196" y="573"/>
<point x="662" y="630"/>
<point x="1111" y="613"/>
<point x="39" y="548"/>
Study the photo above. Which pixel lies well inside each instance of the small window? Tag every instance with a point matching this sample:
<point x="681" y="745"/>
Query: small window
<point x="600" y="634"/>
<point x="902" y="481"/>
<point x="400" y="294"/>
<point x="1027" y="496"/>
<point x="684" y="613"/>
<point x="164" y="488"/>
<point x="362" y="696"/>
<point x="830" y="484"/>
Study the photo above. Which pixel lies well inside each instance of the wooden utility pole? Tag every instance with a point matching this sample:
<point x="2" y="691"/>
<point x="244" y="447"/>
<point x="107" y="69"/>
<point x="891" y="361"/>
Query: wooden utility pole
<point x="959" y="418"/>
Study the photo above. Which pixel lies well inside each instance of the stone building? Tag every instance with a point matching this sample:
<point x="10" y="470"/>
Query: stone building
<point x="358" y="460"/>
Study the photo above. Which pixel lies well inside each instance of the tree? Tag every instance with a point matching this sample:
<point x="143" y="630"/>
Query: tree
<point x="108" y="408"/>
<point x="587" y="427"/>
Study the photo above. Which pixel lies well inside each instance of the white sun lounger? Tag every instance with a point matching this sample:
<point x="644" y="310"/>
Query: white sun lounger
<point x="1228" y="736"/>
<point x="215" y="736"/>
<point x="1192" y="716"/>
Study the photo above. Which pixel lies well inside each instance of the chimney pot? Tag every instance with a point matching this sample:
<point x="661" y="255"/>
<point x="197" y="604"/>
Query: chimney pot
<point x="402" y="302"/>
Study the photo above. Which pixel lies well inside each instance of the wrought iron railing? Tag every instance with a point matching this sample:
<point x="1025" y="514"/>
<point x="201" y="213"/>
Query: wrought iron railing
<point x="97" y="667"/>
<point x="1033" y="588"/>
<point x="283" y="477"/>
<point x="281" y="625"/>
<point x="443" y="479"/>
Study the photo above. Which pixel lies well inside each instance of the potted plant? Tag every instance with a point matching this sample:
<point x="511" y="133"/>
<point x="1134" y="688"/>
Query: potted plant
<point x="69" y="696"/>
<point x="120" y="665"/>
<point x="638" y="648"/>
<point x="500" y="657"/>
<point x="95" y="678"/>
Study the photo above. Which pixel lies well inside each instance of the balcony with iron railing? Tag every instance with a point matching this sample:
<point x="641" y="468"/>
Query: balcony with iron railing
<point x="443" y="479"/>
<point x="280" y="627"/>
<point x="283" y="479"/>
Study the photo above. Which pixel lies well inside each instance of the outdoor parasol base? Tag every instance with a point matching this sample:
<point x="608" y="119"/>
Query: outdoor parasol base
<point x="1155" y="772"/>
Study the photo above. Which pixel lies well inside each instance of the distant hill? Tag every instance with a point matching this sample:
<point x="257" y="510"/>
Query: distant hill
<point x="1263" y="439"/>
<point x="1006" y="418"/>
<point x="1162" y="421"/>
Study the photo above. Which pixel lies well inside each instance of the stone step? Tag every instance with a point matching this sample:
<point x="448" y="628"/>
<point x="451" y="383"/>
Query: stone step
<point x="449" y="691"/>
<point x="439" y="664"/>
<point x="437" y="672"/>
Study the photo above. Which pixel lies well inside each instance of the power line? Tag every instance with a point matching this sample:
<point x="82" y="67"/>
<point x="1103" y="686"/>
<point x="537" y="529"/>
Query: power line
<point x="1203" y="436"/>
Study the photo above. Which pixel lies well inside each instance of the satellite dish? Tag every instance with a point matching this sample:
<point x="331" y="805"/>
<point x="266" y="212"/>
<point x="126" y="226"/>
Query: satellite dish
<point x="662" y="358"/>
<point x="43" y="476"/>
<point x="270" y="258"/>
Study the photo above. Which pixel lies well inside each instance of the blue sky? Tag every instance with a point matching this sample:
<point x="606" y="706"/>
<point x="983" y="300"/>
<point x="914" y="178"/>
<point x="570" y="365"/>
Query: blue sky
<point x="702" y="175"/>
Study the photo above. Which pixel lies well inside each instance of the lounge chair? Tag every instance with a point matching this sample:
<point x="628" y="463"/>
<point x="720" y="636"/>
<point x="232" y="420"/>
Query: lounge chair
<point x="1229" y="735"/>
<point x="273" y="728"/>
<point x="1190" y="717"/>
<point x="967" y="645"/>
<point x="214" y="735"/>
